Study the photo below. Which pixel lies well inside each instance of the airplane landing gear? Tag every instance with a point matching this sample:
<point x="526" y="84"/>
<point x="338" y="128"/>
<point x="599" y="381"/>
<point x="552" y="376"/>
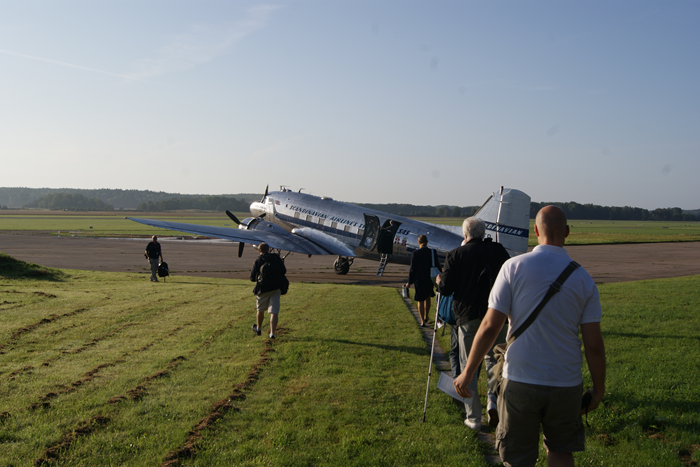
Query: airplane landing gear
<point x="342" y="265"/>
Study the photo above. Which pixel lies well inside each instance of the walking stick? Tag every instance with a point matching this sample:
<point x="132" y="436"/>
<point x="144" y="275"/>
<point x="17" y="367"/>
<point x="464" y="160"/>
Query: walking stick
<point x="432" y="349"/>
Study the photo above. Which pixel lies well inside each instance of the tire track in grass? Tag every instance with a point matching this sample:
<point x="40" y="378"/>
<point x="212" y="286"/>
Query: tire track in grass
<point x="220" y="409"/>
<point x="44" y="401"/>
<point x="19" y="333"/>
<point x="52" y="453"/>
<point x="20" y="305"/>
<point x="139" y="391"/>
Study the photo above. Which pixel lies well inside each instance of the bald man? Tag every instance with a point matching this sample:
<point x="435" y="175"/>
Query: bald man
<point x="542" y="382"/>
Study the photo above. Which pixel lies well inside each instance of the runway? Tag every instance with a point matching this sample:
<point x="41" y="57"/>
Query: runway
<point x="605" y="263"/>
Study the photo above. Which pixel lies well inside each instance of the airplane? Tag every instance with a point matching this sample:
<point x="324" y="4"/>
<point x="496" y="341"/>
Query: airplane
<point x="312" y="225"/>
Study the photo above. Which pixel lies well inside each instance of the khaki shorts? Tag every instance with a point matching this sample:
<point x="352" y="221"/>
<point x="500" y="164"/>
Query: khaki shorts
<point x="268" y="301"/>
<point x="522" y="408"/>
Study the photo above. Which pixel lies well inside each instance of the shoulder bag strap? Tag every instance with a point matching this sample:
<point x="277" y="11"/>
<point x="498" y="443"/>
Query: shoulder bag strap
<point x="553" y="289"/>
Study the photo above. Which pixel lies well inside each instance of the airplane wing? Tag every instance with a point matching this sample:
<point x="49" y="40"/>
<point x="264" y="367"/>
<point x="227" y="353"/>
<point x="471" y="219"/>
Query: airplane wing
<point x="316" y="243"/>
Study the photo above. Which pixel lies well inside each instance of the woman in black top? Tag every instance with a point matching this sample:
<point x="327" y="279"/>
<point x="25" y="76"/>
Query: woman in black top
<point x="419" y="275"/>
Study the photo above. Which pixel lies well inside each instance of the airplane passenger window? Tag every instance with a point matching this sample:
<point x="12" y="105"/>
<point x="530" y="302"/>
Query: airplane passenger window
<point x="296" y="215"/>
<point x="334" y="225"/>
<point x="347" y="228"/>
<point x="320" y="221"/>
<point x="308" y="217"/>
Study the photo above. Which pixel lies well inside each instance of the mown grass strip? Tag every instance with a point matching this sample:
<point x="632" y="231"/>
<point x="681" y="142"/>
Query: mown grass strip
<point x="175" y="376"/>
<point x="583" y="232"/>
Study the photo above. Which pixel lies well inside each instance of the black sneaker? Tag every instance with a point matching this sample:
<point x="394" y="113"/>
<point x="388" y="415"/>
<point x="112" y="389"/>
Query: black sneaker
<point x="272" y="336"/>
<point x="256" y="330"/>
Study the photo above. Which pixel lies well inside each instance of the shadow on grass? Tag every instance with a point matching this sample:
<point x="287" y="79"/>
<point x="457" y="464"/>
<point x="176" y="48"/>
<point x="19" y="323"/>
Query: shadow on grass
<point x="622" y="411"/>
<point x="636" y="335"/>
<point x="396" y="348"/>
<point x="11" y="268"/>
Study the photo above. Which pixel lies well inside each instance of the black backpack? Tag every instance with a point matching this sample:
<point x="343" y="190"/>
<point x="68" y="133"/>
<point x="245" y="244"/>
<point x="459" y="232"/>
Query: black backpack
<point x="271" y="277"/>
<point x="163" y="270"/>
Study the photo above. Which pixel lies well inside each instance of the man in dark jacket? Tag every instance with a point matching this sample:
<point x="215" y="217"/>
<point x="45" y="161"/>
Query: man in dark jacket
<point x="267" y="290"/>
<point x="468" y="274"/>
<point x="153" y="254"/>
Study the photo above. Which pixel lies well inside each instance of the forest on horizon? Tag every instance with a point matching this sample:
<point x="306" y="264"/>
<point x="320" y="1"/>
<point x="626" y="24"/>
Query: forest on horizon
<point x="74" y="199"/>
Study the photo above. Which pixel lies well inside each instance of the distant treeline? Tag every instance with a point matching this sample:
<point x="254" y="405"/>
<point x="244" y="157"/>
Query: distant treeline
<point x="594" y="212"/>
<point x="144" y="200"/>
<point x="205" y="203"/>
<point x="71" y="202"/>
<point x="572" y="209"/>
<point x="410" y="210"/>
<point x="14" y="198"/>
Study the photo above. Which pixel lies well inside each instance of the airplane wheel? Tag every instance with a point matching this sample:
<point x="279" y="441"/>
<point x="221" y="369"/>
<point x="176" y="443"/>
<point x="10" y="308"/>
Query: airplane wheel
<point x="341" y="267"/>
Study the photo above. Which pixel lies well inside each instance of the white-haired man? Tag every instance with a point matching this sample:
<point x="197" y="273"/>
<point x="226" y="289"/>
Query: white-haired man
<point x="468" y="275"/>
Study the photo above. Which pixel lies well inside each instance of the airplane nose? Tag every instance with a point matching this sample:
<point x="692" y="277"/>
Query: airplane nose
<point x="256" y="209"/>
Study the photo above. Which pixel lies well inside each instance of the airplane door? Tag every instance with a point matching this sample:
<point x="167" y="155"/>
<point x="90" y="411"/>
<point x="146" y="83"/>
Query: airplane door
<point x="370" y="237"/>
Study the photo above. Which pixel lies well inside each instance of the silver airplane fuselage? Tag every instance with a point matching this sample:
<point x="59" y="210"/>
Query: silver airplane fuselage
<point x="312" y="225"/>
<point x="368" y="232"/>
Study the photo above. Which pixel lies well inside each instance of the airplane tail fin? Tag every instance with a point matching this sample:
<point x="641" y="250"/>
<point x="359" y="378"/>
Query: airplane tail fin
<point x="507" y="217"/>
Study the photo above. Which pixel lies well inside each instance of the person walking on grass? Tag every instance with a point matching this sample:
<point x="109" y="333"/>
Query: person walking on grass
<point x="468" y="274"/>
<point x="153" y="254"/>
<point x="268" y="271"/>
<point x="542" y="383"/>
<point x="422" y="260"/>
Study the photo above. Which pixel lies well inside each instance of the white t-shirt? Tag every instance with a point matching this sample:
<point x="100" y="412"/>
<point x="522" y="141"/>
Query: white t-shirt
<point x="549" y="351"/>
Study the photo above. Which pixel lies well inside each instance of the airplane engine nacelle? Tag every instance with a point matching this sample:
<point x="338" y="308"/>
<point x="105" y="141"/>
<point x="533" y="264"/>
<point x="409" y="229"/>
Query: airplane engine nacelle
<point x="256" y="223"/>
<point x="246" y="222"/>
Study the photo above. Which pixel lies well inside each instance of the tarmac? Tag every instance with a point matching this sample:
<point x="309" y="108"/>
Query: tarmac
<point x="218" y="258"/>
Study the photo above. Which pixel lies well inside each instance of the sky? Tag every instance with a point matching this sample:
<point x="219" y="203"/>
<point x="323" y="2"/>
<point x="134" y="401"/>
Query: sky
<point x="421" y="102"/>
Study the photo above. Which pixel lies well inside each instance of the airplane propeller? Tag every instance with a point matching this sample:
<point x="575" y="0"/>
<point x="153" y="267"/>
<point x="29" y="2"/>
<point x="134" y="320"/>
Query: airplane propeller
<point x="232" y="217"/>
<point x="241" y="245"/>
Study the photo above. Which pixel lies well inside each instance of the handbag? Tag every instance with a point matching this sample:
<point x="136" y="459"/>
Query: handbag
<point x="499" y="351"/>
<point x="434" y="270"/>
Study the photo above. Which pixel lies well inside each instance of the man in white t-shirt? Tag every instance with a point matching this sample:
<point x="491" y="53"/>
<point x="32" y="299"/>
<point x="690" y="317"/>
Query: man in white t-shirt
<point x="542" y="383"/>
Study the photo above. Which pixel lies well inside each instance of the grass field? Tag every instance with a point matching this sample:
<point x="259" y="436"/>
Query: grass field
<point x="104" y="223"/>
<point x="114" y="223"/>
<point x="612" y="232"/>
<point x="110" y="369"/>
